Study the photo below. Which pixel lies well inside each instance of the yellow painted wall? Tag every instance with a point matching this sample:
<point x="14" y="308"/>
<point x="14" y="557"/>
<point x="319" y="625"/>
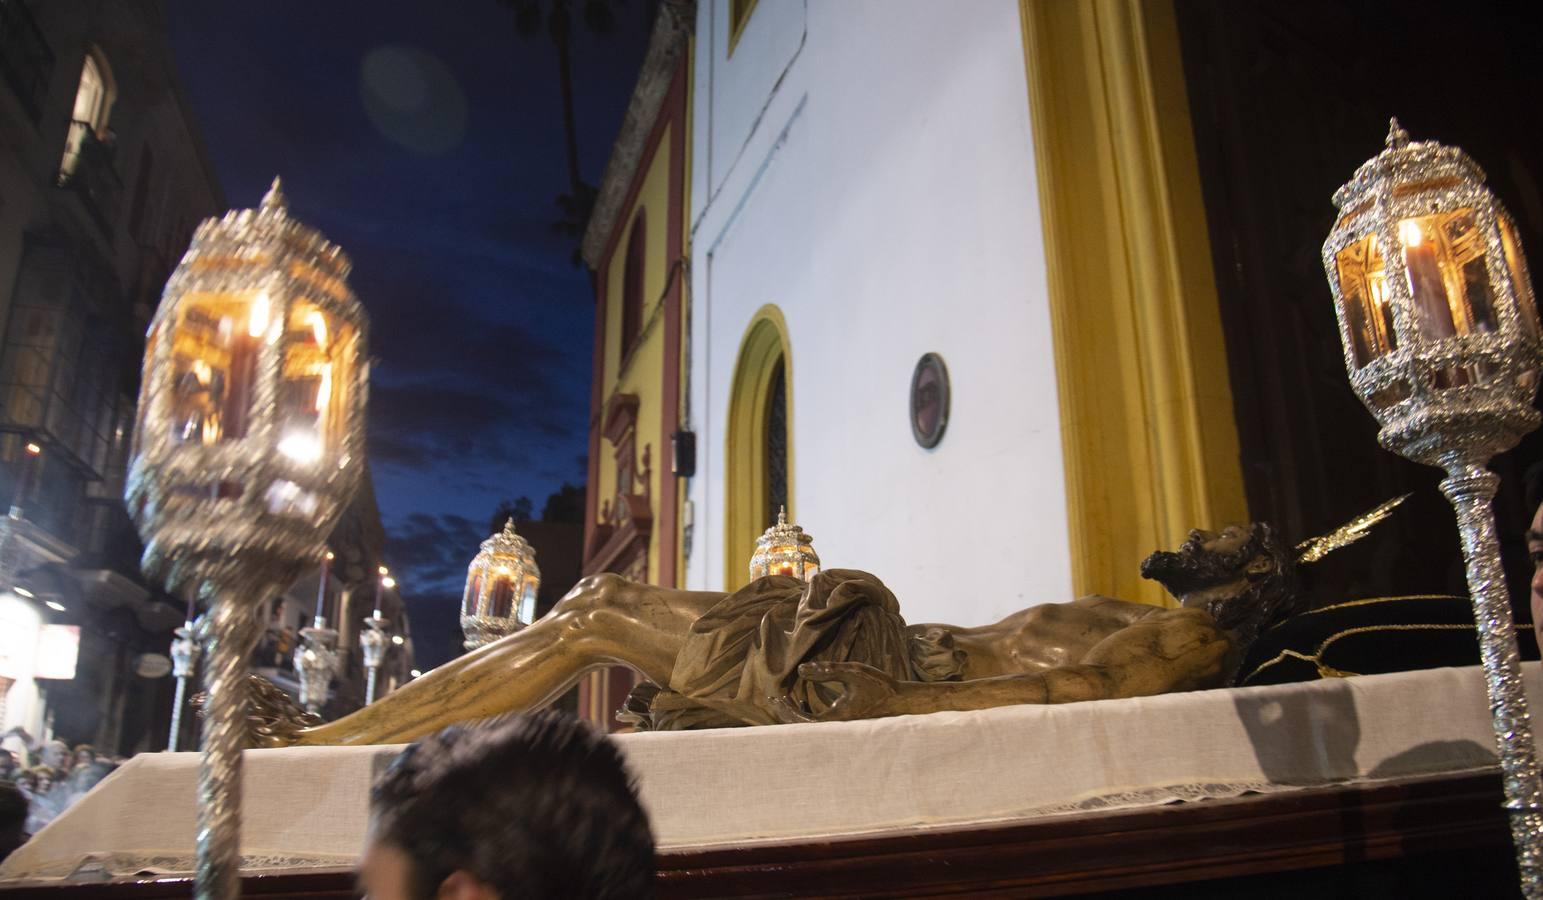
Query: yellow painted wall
<point x="1151" y="445"/>
<point x="644" y="370"/>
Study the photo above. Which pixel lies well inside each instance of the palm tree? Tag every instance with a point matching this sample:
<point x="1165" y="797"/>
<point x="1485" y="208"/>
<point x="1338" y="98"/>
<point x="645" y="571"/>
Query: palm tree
<point x="555" y="19"/>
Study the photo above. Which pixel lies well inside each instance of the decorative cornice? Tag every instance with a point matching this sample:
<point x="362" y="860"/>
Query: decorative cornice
<point x="672" y="28"/>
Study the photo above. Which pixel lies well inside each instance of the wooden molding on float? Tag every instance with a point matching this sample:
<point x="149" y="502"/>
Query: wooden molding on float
<point x="1147" y="421"/>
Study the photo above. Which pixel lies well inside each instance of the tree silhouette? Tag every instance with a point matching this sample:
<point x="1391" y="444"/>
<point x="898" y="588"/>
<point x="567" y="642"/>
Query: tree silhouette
<point x="520" y="509"/>
<point x="565" y="505"/>
<point x="554" y="18"/>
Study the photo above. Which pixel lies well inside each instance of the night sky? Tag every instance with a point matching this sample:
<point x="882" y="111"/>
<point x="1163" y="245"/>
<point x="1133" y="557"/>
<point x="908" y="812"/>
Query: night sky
<point x="426" y="139"/>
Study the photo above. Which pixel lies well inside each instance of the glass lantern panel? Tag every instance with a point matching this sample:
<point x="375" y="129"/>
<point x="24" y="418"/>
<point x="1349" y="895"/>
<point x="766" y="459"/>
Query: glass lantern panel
<point x="313" y="386"/>
<point x="473" y="591"/>
<point x="1521" y="285"/>
<point x="151" y="341"/>
<point x="215" y="342"/>
<point x="501" y="597"/>
<point x="528" y="602"/>
<point x="1447" y="274"/>
<point x="1363" y="288"/>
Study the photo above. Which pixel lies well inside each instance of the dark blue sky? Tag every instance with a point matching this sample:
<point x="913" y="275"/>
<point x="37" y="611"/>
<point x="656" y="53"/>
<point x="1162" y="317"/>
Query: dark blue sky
<point x="426" y="139"/>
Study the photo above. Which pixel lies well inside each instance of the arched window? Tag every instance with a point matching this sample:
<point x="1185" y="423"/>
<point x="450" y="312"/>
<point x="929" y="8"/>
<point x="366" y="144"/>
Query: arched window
<point x="759" y="458"/>
<point x="88" y="119"/>
<point x="775" y="437"/>
<point x="632" y="284"/>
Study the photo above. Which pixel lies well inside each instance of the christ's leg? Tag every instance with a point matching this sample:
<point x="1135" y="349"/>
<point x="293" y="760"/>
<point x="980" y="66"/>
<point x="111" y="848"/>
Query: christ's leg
<point x="603" y="620"/>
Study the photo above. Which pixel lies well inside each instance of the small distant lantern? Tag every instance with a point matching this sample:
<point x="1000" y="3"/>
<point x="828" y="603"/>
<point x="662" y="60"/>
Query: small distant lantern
<point x="784" y="550"/>
<point x="501" y="586"/>
<point x="1435" y="306"/>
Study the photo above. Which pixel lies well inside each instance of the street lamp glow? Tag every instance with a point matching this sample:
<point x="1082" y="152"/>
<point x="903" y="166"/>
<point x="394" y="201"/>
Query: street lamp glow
<point x="388" y="582"/>
<point x="23" y="592"/>
<point x="398" y="640"/>
<point x="33" y="448"/>
<point x="415" y="673"/>
<point x="54" y="605"/>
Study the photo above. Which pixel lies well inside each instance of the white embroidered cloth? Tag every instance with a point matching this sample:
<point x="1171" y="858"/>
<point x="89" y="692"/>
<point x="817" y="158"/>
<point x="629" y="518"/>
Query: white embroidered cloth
<point x="734" y="787"/>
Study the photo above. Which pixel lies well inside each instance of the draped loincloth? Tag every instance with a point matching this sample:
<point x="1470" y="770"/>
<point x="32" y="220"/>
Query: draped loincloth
<point x="743" y="654"/>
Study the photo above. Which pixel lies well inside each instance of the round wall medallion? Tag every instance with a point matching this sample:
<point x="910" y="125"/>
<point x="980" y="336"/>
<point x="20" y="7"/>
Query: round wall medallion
<point x="929" y="400"/>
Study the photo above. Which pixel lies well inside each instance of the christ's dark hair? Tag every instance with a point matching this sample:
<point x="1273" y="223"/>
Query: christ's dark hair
<point x="1272" y="598"/>
<point x="534" y="805"/>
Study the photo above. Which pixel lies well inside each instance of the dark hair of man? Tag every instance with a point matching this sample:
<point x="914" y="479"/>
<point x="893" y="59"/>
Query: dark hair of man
<point x="534" y="806"/>
<point x="1532" y="484"/>
<point x="14" y="807"/>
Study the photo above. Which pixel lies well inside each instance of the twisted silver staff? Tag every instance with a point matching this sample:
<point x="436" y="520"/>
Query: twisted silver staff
<point x="232" y="635"/>
<point x="1471" y="488"/>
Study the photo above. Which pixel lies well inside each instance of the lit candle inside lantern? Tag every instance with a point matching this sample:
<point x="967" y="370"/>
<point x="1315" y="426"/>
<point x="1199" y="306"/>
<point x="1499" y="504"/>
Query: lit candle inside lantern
<point x="321" y="590"/>
<point x="1422" y="267"/>
<point x="243" y="368"/>
<point x="380" y="585"/>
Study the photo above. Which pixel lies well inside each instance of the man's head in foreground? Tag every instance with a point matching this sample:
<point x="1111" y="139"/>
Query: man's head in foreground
<point x="518" y="806"/>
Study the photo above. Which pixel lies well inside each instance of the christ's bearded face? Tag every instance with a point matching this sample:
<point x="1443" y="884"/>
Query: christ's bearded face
<point x="1240" y="575"/>
<point x="1207" y="559"/>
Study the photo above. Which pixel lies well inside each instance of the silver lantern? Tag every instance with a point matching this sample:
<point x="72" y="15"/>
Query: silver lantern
<point x="316" y="657"/>
<point x="784" y="550"/>
<point x="248" y="444"/>
<point x="1441" y="340"/>
<point x="501" y="586"/>
<point x="316" y="662"/>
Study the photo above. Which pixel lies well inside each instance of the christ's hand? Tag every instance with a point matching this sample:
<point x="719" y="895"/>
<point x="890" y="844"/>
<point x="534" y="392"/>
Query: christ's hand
<point x="863" y="692"/>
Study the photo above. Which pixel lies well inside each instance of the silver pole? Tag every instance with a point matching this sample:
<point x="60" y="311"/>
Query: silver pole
<point x="1471" y="488"/>
<point x="184" y="661"/>
<point x="373" y="641"/>
<point x="232" y="635"/>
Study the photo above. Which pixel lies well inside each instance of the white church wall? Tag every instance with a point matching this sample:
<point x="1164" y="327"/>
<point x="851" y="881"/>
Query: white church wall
<point x="883" y="197"/>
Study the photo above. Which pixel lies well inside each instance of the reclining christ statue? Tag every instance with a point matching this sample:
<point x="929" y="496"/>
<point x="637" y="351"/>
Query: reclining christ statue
<point x="836" y="648"/>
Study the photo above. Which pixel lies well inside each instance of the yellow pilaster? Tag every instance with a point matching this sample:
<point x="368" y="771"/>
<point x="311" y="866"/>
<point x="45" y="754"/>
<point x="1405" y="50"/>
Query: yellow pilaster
<point x="1147" y="421"/>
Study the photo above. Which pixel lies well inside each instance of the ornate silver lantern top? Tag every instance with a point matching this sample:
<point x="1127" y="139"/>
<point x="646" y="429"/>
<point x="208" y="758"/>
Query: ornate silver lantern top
<point x="1435" y="305"/>
<point x="249" y="439"/>
<point x="501" y="586"/>
<point x="784" y="550"/>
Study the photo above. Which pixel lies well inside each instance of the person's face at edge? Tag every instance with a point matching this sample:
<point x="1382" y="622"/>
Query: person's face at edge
<point x="385" y="873"/>
<point x="1535" y="552"/>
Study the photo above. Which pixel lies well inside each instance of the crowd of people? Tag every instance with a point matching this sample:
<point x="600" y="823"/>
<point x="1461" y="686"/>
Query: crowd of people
<point x="41" y="779"/>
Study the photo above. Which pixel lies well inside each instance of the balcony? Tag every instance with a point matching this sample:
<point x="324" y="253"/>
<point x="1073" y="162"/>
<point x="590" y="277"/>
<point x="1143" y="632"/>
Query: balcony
<point x="25" y="57"/>
<point x="88" y="170"/>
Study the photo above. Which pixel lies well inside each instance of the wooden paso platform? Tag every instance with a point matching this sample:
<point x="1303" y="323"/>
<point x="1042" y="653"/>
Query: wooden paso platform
<point x="1435" y="836"/>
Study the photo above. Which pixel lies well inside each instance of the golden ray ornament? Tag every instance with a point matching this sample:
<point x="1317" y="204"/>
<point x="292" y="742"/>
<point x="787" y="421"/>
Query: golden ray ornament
<point x="1314" y="549"/>
<point x="249" y="443"/>
<point x="1442" y="344"/>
